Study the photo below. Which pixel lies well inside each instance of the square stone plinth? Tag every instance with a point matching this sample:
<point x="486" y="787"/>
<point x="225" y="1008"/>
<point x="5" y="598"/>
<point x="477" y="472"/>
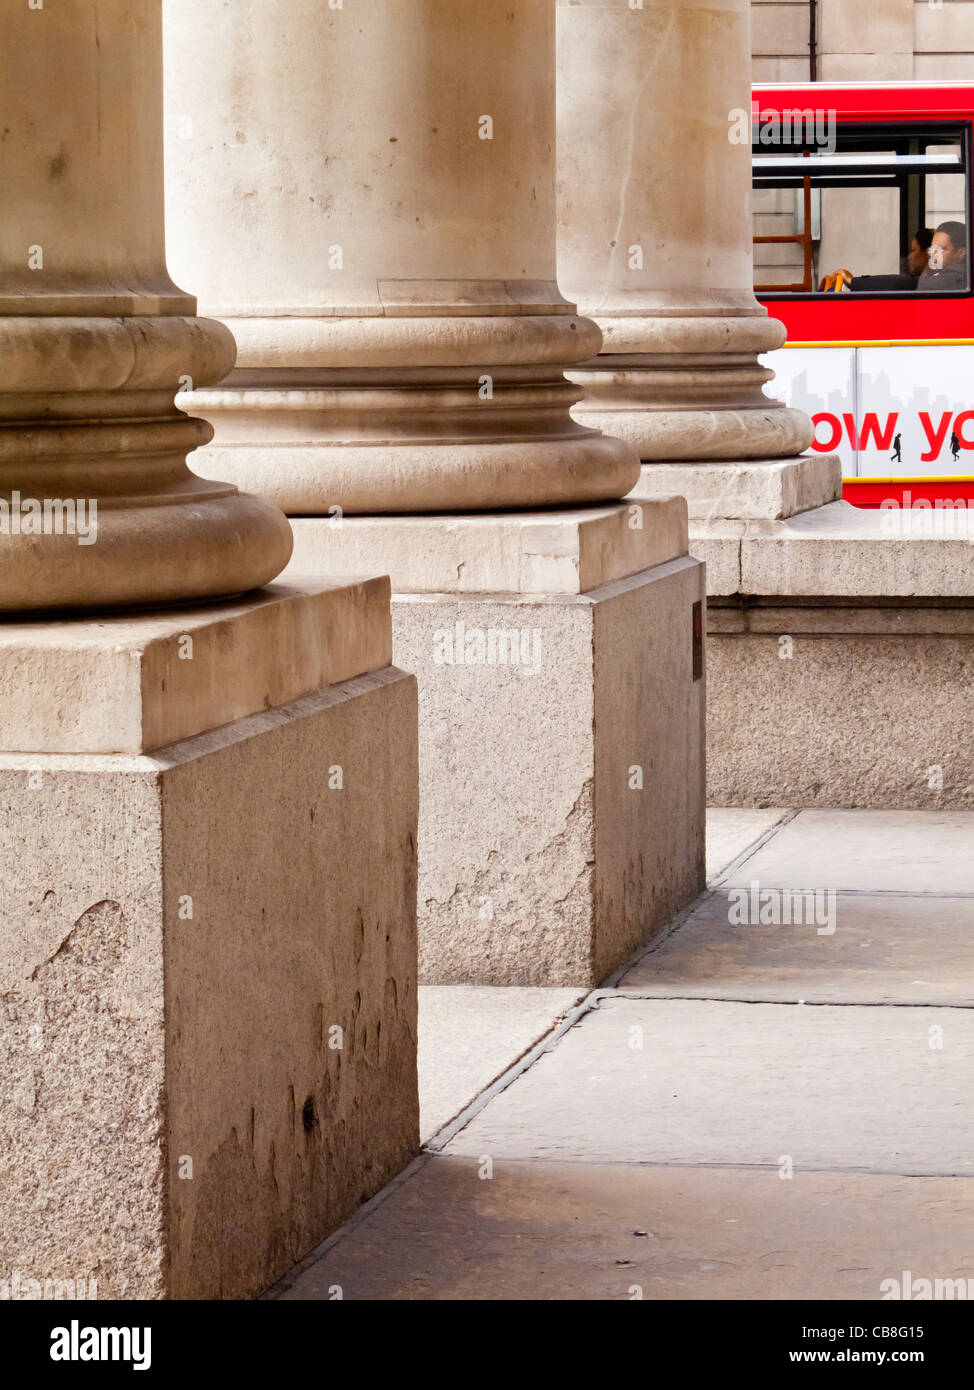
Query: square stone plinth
<point x="208" y="992"/>
<point x="753" y="489"/>
<point x="561" y="731"/>
<point x="556" y="552"/>
<point x="120" y="683"/>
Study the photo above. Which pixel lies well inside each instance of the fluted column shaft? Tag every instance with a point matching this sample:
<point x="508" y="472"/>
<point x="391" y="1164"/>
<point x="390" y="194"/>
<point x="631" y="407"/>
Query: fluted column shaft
<point x="95" y="339"/>
<point x="654" y="237"/>
<point x="364" y="194"/>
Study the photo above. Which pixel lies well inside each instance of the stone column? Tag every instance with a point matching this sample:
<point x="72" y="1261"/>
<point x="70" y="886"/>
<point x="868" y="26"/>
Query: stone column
<point x="95" y="339"/>
<point x="365" y="194"/>
<point x="655" y="244"/>
<point x="208" y="859"/>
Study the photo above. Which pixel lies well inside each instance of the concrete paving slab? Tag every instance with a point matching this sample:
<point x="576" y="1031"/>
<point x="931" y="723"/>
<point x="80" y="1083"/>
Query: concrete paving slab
<point x="542" y="1231"/>
<point x="871" y="851"/>
<point x="731" y="830"/>
<point x="884" y="949"/>
<point x="470" y="1034"/>
<point x="676" y="1081"/>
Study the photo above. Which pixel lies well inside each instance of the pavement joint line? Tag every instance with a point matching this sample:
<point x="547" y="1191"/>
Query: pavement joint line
<point x="687" y="1165"/>
<point x="713" y="890"/>
<point x="434" y="1147"/>
<point x="549" y="1040"/>
<point x="589" y="1004"/>
<point x="707" y="895"/>
<point x="668" y="930"/>
<point x="724" y="998"/>
<point x="554" y="1024"/>
<point x="361" y="1214"/>
<point x="610" y="990"/>
<point x="753" y="847"/>
<point x="527" y="1059"/>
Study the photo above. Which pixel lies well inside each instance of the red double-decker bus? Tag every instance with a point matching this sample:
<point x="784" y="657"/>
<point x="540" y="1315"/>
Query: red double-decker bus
<point x="862" y="204"/>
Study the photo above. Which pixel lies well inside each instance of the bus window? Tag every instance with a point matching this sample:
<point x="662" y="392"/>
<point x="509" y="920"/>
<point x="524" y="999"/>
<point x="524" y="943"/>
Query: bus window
<point x="852" y="220"/>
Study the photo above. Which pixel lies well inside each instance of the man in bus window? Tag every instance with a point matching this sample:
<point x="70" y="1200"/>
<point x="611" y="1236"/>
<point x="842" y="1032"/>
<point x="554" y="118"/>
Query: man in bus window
<point x="947" y="262"/>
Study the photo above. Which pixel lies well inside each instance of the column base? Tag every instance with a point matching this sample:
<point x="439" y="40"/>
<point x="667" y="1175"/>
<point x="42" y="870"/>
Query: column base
<point x="421" y="412"/>
<point x="561" y="735"/>
<point x="207" y="950"/>
<point x="688" y="389"/>
<point x="97" y="506"/>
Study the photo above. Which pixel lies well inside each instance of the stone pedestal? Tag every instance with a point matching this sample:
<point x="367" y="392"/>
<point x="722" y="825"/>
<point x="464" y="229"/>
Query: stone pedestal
<point x="561" y="729"/>
<point x="207" y="938"/>
<point x="366" y="196"/>
<point x="97" y="505"/>
<point x="654" y="229"/>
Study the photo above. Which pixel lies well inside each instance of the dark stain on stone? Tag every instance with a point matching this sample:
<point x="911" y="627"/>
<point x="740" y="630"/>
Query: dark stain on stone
<point x="359" y="935"/>
<point x="308" y="1117"/>
<point x="59" y="164"/>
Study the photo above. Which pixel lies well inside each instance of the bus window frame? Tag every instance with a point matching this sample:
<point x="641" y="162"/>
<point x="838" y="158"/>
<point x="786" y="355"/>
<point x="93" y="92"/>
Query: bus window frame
<point x="962" y="127"/>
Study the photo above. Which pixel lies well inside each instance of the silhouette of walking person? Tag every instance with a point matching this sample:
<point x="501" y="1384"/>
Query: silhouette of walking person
<point x="896" y="456"/>
<point x="954" y="444"/>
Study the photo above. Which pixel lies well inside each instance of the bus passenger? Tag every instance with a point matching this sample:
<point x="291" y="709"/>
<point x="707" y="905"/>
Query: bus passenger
<point x="919" y="252"/>
<point x="912" y="266"/>
<point x="947" y="262"/>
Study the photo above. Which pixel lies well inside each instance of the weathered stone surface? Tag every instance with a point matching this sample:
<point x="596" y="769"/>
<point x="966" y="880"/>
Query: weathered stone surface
<point x="118" y="684"/>
<point x="542" y="1231"/>
<point x="744" y="1084"/>
<point x="770" y="488"/>
<point x="539" y="864"/>
<point x="851" y="719"/>
<point x="839" y="551"/>
<point x="179" y="936"/>
<point x="552" y="552"/>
